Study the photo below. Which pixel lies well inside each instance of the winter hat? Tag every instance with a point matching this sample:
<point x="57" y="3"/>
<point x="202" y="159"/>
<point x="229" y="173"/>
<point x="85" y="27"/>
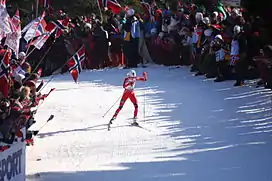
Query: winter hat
<point x="208" y="32"/>
<point x="153" y="31"/>
<point x="131" y="73"/>
<point x="215" y="14"/>
<point x="88" y="25"/>
<point x="219" y="37"/>
<point x="237" y="29"/>
<point x="206" y="21"/>
<point x="199" y="16"/>
<point x="22" y="55"/>
<point x="130" y="12"/>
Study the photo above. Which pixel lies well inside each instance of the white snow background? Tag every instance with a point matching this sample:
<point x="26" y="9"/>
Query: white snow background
<point x="199" y="130"/>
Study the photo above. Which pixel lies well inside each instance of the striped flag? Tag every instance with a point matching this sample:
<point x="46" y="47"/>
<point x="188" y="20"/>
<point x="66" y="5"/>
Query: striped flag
<point x="13" y="38"/>
<point x="112" y="5"/>
<point x="75" y="63"/>
<point x="5" y="25"/>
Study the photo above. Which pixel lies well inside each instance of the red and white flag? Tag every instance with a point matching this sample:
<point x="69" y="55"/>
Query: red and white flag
<point x="75" y="63"/>
<point x="37" y="28"/>
<point x="4" y="18"/>
<point x="113" y="5"/>
<point x="13" y="38"/>
<point x="41" y="40"/>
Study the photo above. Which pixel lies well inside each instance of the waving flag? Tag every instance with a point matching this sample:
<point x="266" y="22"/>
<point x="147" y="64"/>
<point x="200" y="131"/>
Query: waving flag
<point x="111" y="4"/>
<point x="13" y="38"/>
<point x="32" y="23"/>
<point x="61" y="26"/>
<point x="41" y="40"/>
<point x="76" y="62"/>
<point x="16" y="22"/>
<point x="4" y="18"/>
<point x="37" y="28"/>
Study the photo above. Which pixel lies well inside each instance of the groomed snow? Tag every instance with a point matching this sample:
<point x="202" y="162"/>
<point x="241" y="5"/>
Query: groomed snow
<point x="199" y="130"/>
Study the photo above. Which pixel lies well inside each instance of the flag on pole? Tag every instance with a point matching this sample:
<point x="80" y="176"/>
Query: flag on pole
<point x="4" y="18"/>
<point x="75" y="63"/>
<point x="36" y="28"/>
<point x="41" y="40"/>
<point x="13" y="38"/>
<point x="112" y="5"/>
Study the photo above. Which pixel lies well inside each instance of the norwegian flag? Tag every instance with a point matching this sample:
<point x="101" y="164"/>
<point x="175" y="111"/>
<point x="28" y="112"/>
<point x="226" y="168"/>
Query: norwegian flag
<point x="13" y="38"/>
<point x="62" y="25"/>
<point x="59" y="24"/>
<point x="75" y="63"/>
<point x="41" y="40"/>
<point x="111" y="4"/>
<point x="32" y="23"/>
<point x="16" y="21"/>
<point x="5" y="25"/>
<point x="37" y="28"/>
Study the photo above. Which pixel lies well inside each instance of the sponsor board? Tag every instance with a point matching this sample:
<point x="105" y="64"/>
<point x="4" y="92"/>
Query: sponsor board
<point x="12" y="163"/>
<point x="232" y="3"/>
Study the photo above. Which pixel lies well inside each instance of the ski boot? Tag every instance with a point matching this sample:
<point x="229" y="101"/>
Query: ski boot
<point x="110" y="123"/>
<point x="112" y="119"/>
<point x="135" y="122"/>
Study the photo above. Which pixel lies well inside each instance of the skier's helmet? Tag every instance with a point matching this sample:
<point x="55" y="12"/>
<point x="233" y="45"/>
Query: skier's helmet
<point x="131" y="73"/>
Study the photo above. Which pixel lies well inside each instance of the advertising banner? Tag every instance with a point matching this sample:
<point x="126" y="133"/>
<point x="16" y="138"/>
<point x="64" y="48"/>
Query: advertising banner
<point x="232" y="3"/>
<point x="12" y="163"/>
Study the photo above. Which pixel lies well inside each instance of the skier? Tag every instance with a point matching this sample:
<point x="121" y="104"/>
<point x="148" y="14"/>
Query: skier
<point x="128" y="85"/>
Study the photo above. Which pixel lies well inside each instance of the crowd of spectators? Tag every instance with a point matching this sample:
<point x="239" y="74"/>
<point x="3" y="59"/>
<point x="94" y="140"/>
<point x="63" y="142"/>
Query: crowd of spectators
<point x="219" y="42"/>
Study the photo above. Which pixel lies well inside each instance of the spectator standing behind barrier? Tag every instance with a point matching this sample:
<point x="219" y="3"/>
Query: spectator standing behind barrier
<point x="101" y="44"/>
<point x="238" y="55"/>
<point x="131" y="39"/>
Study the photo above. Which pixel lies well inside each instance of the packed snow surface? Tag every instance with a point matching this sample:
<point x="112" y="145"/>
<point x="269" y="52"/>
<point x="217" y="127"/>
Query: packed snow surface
<point x="195" y="130"/>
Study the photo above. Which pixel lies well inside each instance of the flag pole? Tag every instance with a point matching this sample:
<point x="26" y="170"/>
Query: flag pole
<point x="35" y="29"/>
<point x="37" y="8"/>
<point x="99" y="8"/>
<point x="31" y="52"/>
<point x="54" y="75"/>
<point x="37" y="66"/>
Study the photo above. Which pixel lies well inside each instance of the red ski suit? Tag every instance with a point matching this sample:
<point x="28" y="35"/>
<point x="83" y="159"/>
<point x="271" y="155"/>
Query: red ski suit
<point x="128" y="85"/>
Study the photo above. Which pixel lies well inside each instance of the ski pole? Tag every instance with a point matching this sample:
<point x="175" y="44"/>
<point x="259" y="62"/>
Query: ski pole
<point x="144" y="102"/>
<point x="112" y="106"/>
<point x="35" y="133"/>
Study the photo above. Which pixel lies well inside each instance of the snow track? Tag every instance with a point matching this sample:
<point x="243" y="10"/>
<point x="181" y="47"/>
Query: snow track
<point x="200" y="130"/>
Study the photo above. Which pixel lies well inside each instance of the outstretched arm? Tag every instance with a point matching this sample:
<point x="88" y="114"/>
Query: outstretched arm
<point x="144" y="78"/>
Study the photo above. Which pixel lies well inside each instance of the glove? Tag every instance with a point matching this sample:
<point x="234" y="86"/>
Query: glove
<point x="145" y="75"/>
<point x="34" y="112"/>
